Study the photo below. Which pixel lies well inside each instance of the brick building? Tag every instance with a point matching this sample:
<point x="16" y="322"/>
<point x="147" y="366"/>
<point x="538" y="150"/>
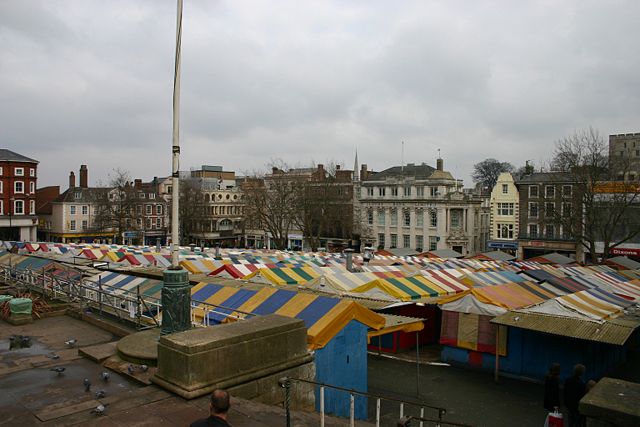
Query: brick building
<point x="18" y="179"/>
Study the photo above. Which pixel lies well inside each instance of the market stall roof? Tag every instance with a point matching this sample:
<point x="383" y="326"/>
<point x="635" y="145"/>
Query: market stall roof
<point x="442" y="253"/>
<point x="624" y="263"/>
<point x="494" y="255"/>
<point x="615" y="331"/>
<point x="394" y="323"/>
<point x="409" y="288"/>
<point x="324" y="316"/>
<point x="284" y="276"/>
<point x="553" y="258"/>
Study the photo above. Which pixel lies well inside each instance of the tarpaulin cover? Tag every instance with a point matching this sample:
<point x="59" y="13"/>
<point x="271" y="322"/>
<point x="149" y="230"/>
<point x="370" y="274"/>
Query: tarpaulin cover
<point x="473" y="332"/>
<point x="20" y="305"/>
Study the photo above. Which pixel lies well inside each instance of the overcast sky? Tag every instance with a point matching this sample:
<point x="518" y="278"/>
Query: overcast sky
<point x="90" y="82"/>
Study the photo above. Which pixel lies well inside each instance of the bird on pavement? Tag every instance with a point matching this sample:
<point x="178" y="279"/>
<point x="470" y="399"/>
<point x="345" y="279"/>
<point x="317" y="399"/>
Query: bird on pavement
<point x="144" y="368"/>
<point x="100" y="394"/>
<point x="98" y="410"/>
<point x="58" y="369"/>
<point x="71" y="342"/>
<point x="105" y="376"/>
<point x="87" y="384"/>
<point x="53" y="356"/>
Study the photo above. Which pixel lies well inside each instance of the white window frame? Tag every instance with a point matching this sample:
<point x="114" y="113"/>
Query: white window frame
<point x="15" y="187"/>
<point x="534" y="196"/>
<point x="72" y="225"/>
<point x="84" y="224"/>
<point x="32" y="187"/>
<point x="1" y="187"/>
<point x="72" y="210"/>
<point x="17" y="203"/>
<point x="18" y="171"/>
<point x="32" y="172"/>
<point x="149" y="209"/>
<point x="85" y="210"/>
<point x="32" y="207"/>
<point x="505" y="188"/>
<point x="158" y="209"/>
<point x="1" y="207"/>
<point x="550" y="189"/>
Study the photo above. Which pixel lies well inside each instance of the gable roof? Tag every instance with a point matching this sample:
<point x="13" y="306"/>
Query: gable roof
<point x="422" y="171"/>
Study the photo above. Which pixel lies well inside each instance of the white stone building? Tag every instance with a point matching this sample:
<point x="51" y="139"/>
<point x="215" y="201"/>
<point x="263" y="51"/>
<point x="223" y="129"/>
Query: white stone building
<point x="421" y="208"/>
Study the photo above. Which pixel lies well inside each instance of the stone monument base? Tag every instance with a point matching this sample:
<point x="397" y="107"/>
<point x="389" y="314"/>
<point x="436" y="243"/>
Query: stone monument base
<point x="246" y="358"/>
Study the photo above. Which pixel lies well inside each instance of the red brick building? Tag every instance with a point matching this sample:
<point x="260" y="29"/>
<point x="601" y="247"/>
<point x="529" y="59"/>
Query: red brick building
<point x="18" y="178"/>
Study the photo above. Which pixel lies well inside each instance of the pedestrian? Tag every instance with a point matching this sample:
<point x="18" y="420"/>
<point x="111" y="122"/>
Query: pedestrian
<point x="552" y="388"/>
<point x="218" y="408"/>
<point x="574" y="390"/>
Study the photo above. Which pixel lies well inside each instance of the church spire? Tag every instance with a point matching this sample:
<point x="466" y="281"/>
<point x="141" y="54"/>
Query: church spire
<point x="356" y="172"/>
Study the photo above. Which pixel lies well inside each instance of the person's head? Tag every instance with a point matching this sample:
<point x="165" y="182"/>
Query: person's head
<point x="578" y="370"/>
<point x="554" y="369"/>
<point x="219" y="404"/>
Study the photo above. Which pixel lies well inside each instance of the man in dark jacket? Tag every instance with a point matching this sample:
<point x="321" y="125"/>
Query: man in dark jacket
<point x="574" y="390"/>
<point x="218" y="407"/>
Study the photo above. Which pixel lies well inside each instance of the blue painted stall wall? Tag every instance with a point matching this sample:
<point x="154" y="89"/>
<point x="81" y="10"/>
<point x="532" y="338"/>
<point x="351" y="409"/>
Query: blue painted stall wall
<point x="343" y="363"/>
<point x="530" y="354"/>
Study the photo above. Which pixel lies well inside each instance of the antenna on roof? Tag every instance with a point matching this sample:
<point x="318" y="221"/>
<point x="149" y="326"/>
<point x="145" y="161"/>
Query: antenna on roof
<point x="438" y="153"/>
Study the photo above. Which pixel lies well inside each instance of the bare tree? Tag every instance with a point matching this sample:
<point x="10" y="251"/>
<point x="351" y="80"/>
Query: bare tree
<point x="487" y="171"/>
<point x="607" y="211"/>
<point x="117" y="207"/>
<point x="192" y="209"/>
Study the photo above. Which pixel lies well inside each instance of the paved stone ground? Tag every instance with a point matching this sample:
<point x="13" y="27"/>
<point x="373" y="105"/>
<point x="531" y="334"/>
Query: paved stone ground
<point x="31" y="394"/>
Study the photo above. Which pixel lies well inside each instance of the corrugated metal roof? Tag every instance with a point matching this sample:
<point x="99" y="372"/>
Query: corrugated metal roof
<point x="615" y="331"/>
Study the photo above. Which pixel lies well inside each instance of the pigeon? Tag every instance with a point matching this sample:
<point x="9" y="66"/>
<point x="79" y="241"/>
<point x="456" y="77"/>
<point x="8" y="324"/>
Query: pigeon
<point x="87" y="384"/>
<point x="25" y="341"/>
<point x="144" y="368"/>
<point x="53" y="356"/>
<point x="131" y="369"/>
<point x="58" y="369"/>
<point x="72" y="342"/>
<point x="100" y="394"/>
<point x="99" y="410"/>
<point x="105" y="376"/>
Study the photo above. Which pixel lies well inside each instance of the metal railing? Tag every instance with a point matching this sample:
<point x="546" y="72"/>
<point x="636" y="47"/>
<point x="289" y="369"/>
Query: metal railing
<point x="287" y="382"/>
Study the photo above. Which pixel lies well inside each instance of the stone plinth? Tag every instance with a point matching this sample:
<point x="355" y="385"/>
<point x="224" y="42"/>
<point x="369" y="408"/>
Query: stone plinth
<point x="245" y="357"/>
<point x="18" y="319"/>
<point x="176" y="301"/>
<point x="612" y="402"/>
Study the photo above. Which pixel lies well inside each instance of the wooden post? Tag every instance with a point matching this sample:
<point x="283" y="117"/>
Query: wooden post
<point x="495" y="375"/>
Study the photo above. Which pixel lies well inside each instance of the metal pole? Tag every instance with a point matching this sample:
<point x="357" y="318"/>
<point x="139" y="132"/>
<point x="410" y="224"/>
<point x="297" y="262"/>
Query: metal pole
<point x="417" y="364"/>
<point x="352" y="410"/>
<point x="495" y="375"/>
<point x="378" y="412"/>
<point x="321" y="406"/>
<point x="286" y="383"/>
<point x="175" y="181"/>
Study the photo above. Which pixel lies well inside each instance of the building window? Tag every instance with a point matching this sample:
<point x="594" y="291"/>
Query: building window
<point x="382" y="191"/>
<point x="406" y="241"/>
<point x="158" y="222"/>
<point x="419" y="218"/>
<point x="32" y="207"/>
<point x="72" y="210"/>
<point x="85" y="224"/>
<point x="149" y="209"/>
<point x="148" y="223"/>
<point x="158" y="209"/>
<point x="567" y="190"/>
<point x="394" y="191"/>
<point x="1" y="187"/>
<point x="505" y="231"/>
<point x="381" y="240"/>
<point x="505" y="188"/>
<point x="433" y="243"/>
<point x="0" y="170"/>
<point x="72" y="225"/>
<point x="456" y="218"/>
<point x="505" y="209"/>
<point x="533" y="209"/>
<point x="169" y="188"/>
<point x="420" y="191"/>
<point x="407" y="191"/>
<point x="1" y="207"/>
<point x="370" y="191"/>
<point x="549" y="231"/>
<point x="433" y="191"/>
<point x="370" y="216"/>
<point x="152" y="195"/>
<point x="18" y="187"/>
<point x="139" y="222"/>
<point x="139" y="210"/>
<point x="19" y="171"/>
<point x="32" y="172"/>
<point x="394" y="217"/>
<point x="433" y="218"/>
<point x="533" y="230"/>
<point x="533" y="191"/>
<point x="550" y="191"/>
<point x="394" y="240"/>
<point x="85" y="210"/>
<point x="381" y="216"/>
<point x="549" y="209"/>
<point x="419" y="243"/>
<point x="406" y="214"/>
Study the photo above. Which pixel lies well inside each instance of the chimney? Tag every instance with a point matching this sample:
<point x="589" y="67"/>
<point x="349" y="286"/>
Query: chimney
<point x="439" y="164"/>
<point x="72" y="180"/>
<point x="363" y="172"/>
<point x="84" y="181"/>
<point x="349" y="254"/>
<point x="274" y="170"/>
<point x="137" y="184"/>
<point x="337" y="167"/>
